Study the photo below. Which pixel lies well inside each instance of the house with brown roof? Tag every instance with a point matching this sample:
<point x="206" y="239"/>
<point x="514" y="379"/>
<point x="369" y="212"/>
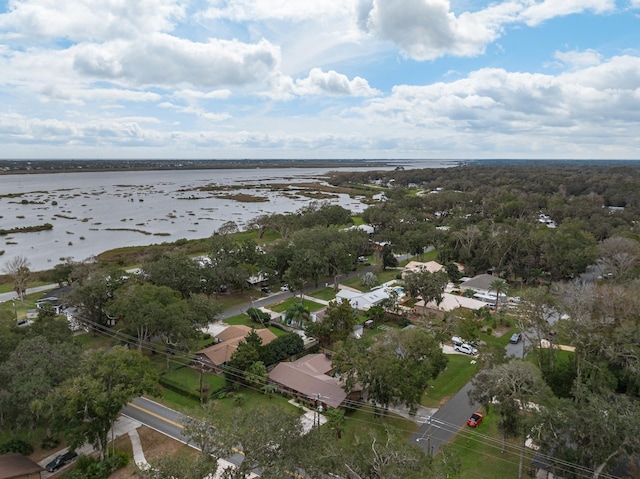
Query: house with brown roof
<point x="17" y="466"/>
<point x="227" y="343"/>
<point x="310" y="379"/>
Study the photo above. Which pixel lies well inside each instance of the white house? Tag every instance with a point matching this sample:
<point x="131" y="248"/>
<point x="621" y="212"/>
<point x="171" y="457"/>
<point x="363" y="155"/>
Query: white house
<point x="363" y="301"/>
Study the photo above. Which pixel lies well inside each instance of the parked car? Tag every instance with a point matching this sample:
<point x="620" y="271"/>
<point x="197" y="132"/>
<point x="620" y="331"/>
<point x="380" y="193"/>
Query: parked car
<point x="515" y="338"/>
<point x="467" y="349"/>
<point x="60" y="461"/>
<point x="475" y="419"/>
<point x="284" y="287"/>
<point x="362" y="259"/>
<point x="265" y="289"/>
<point x="457" y="341"/>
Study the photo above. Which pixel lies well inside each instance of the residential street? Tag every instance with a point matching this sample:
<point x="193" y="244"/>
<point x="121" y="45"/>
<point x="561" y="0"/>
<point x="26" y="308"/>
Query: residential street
<point x="445" y="423"/>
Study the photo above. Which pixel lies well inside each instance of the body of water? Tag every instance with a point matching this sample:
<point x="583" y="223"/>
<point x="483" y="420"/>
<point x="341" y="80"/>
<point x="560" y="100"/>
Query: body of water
<point x="94" y="212"/>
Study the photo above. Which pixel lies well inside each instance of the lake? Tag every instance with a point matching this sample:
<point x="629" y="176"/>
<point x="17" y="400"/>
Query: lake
<point x="92" y="212"/>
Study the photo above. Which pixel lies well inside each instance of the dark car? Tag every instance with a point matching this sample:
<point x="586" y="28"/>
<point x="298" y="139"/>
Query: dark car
<point x="475" y="419"/>
<point x="60" y="461"/>
<point x="265" y="289"/>
<point x="515" y="338"/>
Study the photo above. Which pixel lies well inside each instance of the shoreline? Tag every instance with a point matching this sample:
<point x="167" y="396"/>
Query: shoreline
<point x="29" y="167"/>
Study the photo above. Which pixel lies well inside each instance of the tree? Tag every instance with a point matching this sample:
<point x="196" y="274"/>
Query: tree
<point x="394" y="369"/>
<point x="619" y="256"/>
<point x="256" y="375"/>
<point x="369" y="280"/>
<point x="35" y="367"/>
<point x="245" y="355"/>
<point x="283" y="347"/>
<point x="512" y="389"/>
<point x="270" y="439"/>
<point x="18" y="269"/>
<point x="613" y="436"/>
<point x="85" y="407"/>
<point x="430" y="286"/>
<point x="259" y="316"/>
<point x="336" y="325"/>
<point x="147" y="310"/>
<point x="297" y="314"/>
<point x="176" y="271"/>
<point x="92" y="290"/>
<point x="500" y="286"/>
<point x="386" y="455"/>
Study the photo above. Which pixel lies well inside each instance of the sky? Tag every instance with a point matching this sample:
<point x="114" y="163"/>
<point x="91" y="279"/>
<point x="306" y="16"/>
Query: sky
<point x="387" y="79"/>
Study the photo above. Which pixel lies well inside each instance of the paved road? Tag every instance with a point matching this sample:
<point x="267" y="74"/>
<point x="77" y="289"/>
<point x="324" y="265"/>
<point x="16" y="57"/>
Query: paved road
<point x="158" y="417"/>
<point x="440" y="428"/>
<point x="164" y="420"/>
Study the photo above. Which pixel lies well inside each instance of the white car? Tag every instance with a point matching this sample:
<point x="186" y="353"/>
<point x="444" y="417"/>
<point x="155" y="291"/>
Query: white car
<point x="467" y="349"/>
<point x="284" y="287"/>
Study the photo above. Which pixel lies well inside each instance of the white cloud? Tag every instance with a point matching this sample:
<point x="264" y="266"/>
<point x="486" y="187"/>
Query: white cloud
<point x="332" y="83"/>
<point x="539" y="12"/>
<point x="427" y="29"/>
<point x="165" y="60"/>
<point x="190" y="95"/>
<point x="579" y="59"/>
<point x="493" y="102"/>
<point x="288" y="10"/>
<point x="81" y="20"/>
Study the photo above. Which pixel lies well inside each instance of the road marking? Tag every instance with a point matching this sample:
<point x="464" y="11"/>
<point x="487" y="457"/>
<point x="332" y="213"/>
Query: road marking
<point x="157" y="416"/>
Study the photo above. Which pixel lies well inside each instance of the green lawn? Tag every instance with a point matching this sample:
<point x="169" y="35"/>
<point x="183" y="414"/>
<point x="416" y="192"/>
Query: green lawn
<point x="310" y="305"/>
<point x="89" y="341"/>
<point x="459" y="372"/>
<point x="325" y="294"/>
<point x="361" y="420"/>
<point x="478" y="451"/>
<point x="190" y="379"/>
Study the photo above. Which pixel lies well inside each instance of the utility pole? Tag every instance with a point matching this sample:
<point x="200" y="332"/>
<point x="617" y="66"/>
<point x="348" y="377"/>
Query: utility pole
<point x="318" y="411"/>
<point x="428" y="438"/>
<point x="15" y="311"/>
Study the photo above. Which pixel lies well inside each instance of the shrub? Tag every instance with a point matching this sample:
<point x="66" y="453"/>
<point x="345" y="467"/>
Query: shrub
<point x="49" y="442"/>
<point x="16" y="445"/>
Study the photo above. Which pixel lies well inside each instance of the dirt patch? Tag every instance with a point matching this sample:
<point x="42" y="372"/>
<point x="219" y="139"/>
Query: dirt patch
<point x="154" y="445"/>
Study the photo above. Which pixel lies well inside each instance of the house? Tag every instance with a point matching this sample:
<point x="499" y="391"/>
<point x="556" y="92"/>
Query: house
<point x="227" y="343"/>
<point x="449" y="303"/>
<point x="481" y="286"/>
<point x="366" y="228"/>
<point x="17" y="466"/>
<point x="417" y="267"/>
<point x="310" y="379"/>
<point x="363" y="301"/>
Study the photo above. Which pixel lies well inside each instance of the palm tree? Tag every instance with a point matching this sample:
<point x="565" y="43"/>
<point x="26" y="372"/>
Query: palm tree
<point x="298" y="314"/>
<point x="500" y="287"/>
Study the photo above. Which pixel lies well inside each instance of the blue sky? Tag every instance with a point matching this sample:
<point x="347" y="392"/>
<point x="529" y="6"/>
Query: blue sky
<point x="458" y="79"/>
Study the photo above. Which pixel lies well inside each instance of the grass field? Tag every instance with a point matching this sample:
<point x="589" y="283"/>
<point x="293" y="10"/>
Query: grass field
<point x="478" y="451"/>
<point x="325" y="294"/>
<point x="459" y="372"/>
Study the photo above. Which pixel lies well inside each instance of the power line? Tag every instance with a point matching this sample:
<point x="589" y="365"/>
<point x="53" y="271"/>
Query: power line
<point x="236" y="376"/>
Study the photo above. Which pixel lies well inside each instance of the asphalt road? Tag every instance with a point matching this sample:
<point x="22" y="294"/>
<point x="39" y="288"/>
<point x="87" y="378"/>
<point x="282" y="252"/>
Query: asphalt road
<point x="164" y="420"/>
<point x="158" y="417"/>
<point x="440" y="428"/>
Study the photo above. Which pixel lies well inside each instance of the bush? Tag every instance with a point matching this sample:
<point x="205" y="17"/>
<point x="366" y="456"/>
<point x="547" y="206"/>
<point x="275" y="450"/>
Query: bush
<point x="16" y="445"/>
<point x="49" y="442"/>
<point x="88" y="467"/>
